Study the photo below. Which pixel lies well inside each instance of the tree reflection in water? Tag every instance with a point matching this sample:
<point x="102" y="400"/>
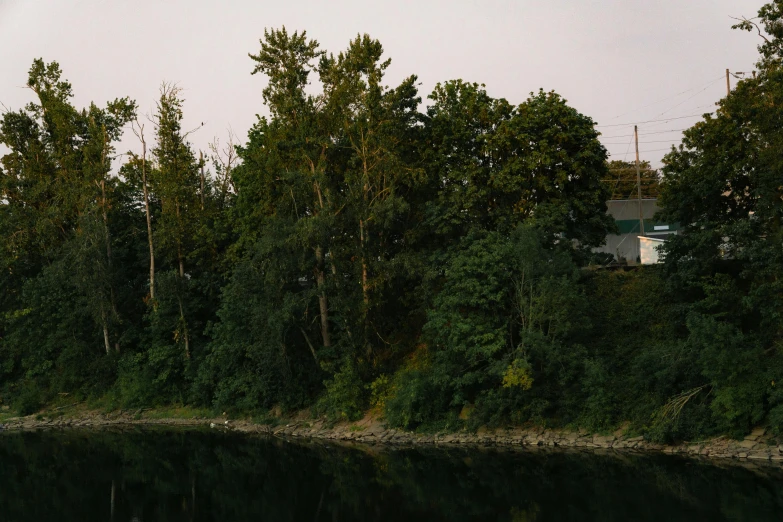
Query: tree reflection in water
<point x="170" y="475"/>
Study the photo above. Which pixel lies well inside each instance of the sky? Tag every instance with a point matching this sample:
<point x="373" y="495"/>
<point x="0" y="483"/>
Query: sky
<point x="618" y="61"/>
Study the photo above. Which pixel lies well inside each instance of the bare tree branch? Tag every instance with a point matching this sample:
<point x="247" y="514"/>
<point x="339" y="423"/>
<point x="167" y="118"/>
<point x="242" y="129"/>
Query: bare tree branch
<point x="748" y="24"/>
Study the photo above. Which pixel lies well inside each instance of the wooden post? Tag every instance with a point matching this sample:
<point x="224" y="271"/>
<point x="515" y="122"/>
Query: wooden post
<point x="728" y="85"/>
<point x="638" y="181"/>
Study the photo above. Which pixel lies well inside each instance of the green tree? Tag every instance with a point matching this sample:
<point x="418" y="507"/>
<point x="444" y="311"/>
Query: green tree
<point x="176" y="183"/>
<point x="622" y="180"/>
<point x="499" y="165"/>
<point x="374" y="125"/>
<point x="503" y="329"/>
<point x="57" y="193"/>
<point x="723" y="185"/>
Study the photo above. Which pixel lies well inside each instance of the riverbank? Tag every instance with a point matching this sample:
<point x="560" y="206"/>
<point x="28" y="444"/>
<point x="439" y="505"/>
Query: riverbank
<point x="758" y="446"/>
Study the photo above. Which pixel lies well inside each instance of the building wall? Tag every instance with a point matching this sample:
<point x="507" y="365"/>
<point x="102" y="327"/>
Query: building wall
<point x="625" y="245"/>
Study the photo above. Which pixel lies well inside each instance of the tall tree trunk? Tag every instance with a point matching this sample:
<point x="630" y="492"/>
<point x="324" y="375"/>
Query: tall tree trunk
<point x="322" y="301"/>
<point x="184" y="326"/>
<point x="147" y="212"/>
<point x="105" y="324"/>
<point x="201" y="163"/>
<point x="363" y="235"/>
<point x="181" y="261"/>
<point x="107" y="238"/>
<point x="363" y="238"/>
<point x="224" y="188"/>
<point x="179" y="302"/>
<point x="365" y="284"/>
<point x="320" y="277"/>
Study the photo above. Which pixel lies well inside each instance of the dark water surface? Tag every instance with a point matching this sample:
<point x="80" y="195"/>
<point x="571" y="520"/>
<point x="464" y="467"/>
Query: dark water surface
<point x="197" y="475"/>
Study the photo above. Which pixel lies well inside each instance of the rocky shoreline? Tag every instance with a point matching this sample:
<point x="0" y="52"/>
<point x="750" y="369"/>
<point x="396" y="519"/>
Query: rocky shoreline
<point x="758" y="446"/>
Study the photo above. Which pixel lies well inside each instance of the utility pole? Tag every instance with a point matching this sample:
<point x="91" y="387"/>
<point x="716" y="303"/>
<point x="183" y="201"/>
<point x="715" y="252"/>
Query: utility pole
<point x="638" y="181"/>
<point x="728" y="85"/>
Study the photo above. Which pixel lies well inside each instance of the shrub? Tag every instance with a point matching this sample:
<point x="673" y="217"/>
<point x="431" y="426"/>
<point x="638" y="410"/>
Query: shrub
<point x="344" y="397"/>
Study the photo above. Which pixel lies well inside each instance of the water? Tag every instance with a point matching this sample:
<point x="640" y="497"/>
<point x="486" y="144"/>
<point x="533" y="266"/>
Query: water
<point x="205" y="475"/>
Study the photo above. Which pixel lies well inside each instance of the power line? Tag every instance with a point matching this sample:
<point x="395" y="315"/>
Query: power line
<point x="645" y="169"/>
<point x="652" y="121"/>
<point x="646" y="133"/>
<point x="629" y="147"/>
<point x="640" y="152"/>
<point x="625" y="205"/>
<point x="651" y="141"/>
<point x="626" y="155"/>
<point x="663" y="131"/>
<point x="618" y="136"/>
<point x="669" y="98"/>
<point x="696" y="108"/>
<point x="691" y="97"/>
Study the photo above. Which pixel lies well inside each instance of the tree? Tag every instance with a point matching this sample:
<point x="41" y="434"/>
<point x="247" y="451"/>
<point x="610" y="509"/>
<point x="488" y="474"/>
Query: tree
<point x="622" y="180"/>
<point x="374" y="132"/>
<point x="224" y="160"/>
<point x="141" y="164"/>
<point x="503" y="329"/>
<point x="104" y="128"/>
<point x="78" y="147"/>
<point x="60" y="265"/>
<point x="304" y="134"/>
<point x="723" y="186"/>
<point x="176" y="186"/>
<point x="499" y="165"/>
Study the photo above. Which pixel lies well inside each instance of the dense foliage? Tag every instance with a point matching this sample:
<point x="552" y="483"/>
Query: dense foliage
<point x="367" y="253"/>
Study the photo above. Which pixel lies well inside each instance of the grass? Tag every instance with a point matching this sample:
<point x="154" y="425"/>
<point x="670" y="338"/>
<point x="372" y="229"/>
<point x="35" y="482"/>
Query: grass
<point x="266" y="419"/>
<point x="5" y="415"/>
<point x="176" y="412"/>
<point x="72" y="407"/>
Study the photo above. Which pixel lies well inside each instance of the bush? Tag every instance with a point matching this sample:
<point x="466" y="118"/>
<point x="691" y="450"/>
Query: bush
<point x="28" y="398"/>
<point x="134" y="386"/>
<point x="344" y="397"/>
<point x="418" y="401"/>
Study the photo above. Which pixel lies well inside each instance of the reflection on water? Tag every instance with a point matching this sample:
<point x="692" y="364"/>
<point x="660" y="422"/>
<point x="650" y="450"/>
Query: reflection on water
<point x="196" y="475"/>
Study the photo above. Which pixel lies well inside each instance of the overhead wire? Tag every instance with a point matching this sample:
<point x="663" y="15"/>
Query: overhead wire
<point x="653" y="121"/>
<point x="625" y="205"/>
<point x="641" y="151"/>
<point x="668" y="98"/>
<point x="628" y="149"/>
<point x="624" y="158"/>
<point x="646" y="133"/>
<point x="662" y="122"/>
<point x="690" y="97"/>
<point x="651" y="141"/>
<point x="663" y="131"/>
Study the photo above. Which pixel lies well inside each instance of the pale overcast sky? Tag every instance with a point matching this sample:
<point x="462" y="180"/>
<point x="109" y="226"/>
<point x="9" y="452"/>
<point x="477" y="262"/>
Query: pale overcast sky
<point x="617" y="61"/>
